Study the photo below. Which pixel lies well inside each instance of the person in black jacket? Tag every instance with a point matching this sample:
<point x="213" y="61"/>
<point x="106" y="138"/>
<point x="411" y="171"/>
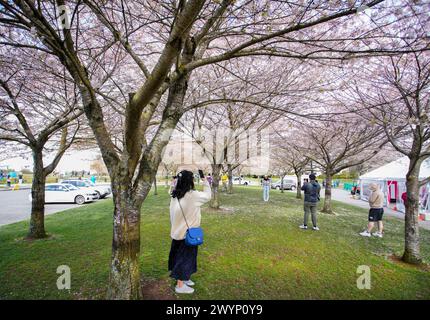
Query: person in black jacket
<point x="312" y="196"/>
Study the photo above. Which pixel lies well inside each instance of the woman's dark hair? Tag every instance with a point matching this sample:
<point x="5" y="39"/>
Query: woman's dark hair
<point x="184" y="184"/>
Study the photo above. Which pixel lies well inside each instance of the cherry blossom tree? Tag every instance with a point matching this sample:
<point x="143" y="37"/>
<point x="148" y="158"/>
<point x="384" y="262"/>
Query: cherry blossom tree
<point x="340" y="144"/>
<point x="223" y="135"/>
<point x="40" y="115"/>
<point x="290" y="154"/>
<point x="400" y="106"/>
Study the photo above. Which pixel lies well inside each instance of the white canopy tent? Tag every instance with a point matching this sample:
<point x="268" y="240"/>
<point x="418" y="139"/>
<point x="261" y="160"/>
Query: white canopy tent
<point x="397" y="170"/>
<point x="392" y="177"/>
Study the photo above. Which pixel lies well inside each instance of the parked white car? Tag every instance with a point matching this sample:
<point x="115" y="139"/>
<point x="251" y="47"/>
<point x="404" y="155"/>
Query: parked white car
<point x="60" y="192"/>
<point x="86" y="184"/>
<point x="241" y="181"/>
<point x="104" y="190"/>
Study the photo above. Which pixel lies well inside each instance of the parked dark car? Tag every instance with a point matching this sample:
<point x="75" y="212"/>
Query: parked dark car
<point x="287" y="185"/>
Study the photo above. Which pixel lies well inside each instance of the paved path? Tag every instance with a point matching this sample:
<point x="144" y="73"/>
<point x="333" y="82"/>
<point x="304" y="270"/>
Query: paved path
<point x="15" y="206"/>
<point x="345" y="196"/>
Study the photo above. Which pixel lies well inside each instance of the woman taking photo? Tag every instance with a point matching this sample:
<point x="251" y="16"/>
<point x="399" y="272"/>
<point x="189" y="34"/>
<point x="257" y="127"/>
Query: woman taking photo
<point x="185" y="213"/>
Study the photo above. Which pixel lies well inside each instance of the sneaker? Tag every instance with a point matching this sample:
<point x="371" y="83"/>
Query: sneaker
<point x="303" y="227"/>
<point x="184" y="289"/>
<point x="377" y="234"/>
<point x="189" y="283"/>
<point x="365" y="233"/>
<point x="315" y="228"/>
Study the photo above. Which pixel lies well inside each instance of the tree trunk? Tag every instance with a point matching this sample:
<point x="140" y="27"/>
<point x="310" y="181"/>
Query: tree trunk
<point x="214" y="203"/>
<point x="299" y="185"/>
<point x="282" y="183"/>
<point x="166" y="183"/>
<point x="37" y="220"/>
<point x="412" y="239"/>
<point x="124" y="280"/>
<point x="327" y="200"/>
<point x="155" y="187"/>
<point x="230" y="179"/>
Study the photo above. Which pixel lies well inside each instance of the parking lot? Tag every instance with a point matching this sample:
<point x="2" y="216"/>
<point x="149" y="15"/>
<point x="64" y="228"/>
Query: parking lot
<point x="15" y="206"/>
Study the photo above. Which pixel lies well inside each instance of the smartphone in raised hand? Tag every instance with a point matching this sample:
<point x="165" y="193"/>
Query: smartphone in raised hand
<point x="202" y="176"/>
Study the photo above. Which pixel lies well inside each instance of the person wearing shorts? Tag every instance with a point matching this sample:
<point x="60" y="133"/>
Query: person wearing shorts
<point x="376" y="202"/>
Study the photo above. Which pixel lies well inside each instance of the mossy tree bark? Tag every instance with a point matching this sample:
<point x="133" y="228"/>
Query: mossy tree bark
<point x="327" y="208"/>
<point x="299" y="184"/>
<point x="230" y="179"/>
<point x="282" y="182"/>
<point x="215" y="203"/>
<point x="124" y="281"/>
<point x="37" y="219"/>
<point x="412" y="239"/>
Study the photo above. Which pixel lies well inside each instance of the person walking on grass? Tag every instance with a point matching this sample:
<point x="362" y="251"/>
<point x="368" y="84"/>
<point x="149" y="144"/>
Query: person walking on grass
<point x="312" y="196"/>
<point x="265" y="182"/>
<point x="376" y="203"/>
<point x="185" y="213"/>
<point x="224" y="181"/>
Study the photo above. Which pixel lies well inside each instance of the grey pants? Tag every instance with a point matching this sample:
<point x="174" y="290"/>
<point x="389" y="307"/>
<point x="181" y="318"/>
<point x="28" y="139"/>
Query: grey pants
<point x="310" y="208"/>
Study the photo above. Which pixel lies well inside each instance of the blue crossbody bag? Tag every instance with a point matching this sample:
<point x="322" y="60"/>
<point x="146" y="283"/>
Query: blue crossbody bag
<point x="194" y="236"/>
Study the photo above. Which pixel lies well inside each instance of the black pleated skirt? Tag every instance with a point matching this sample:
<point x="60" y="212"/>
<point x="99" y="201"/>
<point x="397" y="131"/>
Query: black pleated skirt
<point x="182" y="260"/>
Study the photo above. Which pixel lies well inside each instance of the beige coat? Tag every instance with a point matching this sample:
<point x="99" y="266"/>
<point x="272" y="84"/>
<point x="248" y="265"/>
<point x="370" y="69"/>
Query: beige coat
<point x="191" y="203"/>
<point x="376" y="199"/>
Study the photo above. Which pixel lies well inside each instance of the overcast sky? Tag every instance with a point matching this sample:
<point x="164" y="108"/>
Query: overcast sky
<point x="74" y="160"/>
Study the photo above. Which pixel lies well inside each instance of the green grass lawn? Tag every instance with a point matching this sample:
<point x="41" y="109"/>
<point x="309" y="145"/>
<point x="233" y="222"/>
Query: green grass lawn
<point x="254" y="250"/>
